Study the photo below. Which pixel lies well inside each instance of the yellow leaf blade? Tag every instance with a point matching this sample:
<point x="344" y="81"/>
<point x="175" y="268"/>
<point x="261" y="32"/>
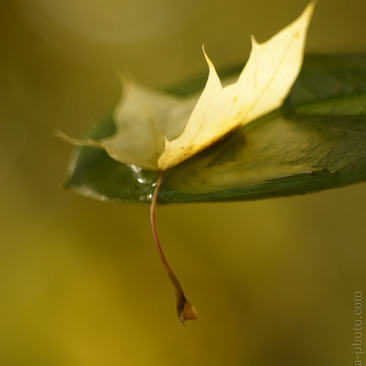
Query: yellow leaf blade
<point x="143" y="118"/>
<point x="269" y="74"/>
<point x="272" y="68"/>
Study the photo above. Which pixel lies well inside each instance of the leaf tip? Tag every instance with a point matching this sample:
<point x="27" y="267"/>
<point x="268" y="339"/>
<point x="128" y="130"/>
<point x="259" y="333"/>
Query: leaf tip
<point x="209" y="62"/>
<point x="308" y="12"/>
<point x="63" y="136"/>
<point x="253" y="40"/>
<point x="124" y="75"/>
<point x="76" y="142"/>
<point x="186" y="311"/>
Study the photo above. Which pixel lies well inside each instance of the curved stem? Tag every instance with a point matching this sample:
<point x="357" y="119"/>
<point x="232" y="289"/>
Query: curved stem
<point x="161" y="254"/>
<point x="185" y="310"/>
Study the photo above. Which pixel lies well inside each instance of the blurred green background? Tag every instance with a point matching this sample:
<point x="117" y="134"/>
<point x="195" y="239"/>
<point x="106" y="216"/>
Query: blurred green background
<point x="80" y="281"/>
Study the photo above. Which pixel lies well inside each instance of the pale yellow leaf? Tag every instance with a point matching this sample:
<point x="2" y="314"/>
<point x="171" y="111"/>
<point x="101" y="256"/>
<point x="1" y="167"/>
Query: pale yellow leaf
<point x="143" y="118"/>
<point x="156" y="131"/>
<point x="269" y="74"/>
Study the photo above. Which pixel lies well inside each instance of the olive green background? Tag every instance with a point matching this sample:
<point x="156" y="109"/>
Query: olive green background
<point x="80" y="281"/>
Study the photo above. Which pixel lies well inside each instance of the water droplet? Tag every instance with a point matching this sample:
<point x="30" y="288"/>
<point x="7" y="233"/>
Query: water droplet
<point x="145" y="182"/>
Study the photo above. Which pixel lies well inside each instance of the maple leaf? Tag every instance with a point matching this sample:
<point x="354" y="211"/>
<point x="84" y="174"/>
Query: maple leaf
<point x="156" y="131"/>
<point x="264" y="83"/>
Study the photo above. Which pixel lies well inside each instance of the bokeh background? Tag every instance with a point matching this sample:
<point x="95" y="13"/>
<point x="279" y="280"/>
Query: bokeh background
<point x="80" y="281"/>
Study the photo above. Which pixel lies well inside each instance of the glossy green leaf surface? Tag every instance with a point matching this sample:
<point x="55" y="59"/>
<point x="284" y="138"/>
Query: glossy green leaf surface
<point x="315" y="141"/>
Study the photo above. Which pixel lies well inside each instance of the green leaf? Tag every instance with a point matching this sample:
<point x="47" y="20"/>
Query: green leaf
<point x="315" y="141"/>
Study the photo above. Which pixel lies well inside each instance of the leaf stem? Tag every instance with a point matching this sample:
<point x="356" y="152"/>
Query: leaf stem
<point x="185" y="309"/>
